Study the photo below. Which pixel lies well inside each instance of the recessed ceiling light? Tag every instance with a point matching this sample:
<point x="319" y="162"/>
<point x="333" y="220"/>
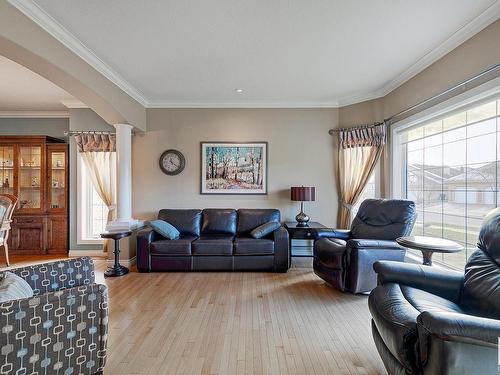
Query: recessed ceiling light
<point x="239" y="91"/>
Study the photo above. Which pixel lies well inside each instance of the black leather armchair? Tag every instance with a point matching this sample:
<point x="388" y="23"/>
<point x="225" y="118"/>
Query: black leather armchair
<point x="345" y="258"/>
<point x="427" y="320"/>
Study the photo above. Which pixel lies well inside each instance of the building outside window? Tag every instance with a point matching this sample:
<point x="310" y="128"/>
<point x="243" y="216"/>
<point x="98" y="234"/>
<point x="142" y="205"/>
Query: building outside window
<point x="450" y="167"/>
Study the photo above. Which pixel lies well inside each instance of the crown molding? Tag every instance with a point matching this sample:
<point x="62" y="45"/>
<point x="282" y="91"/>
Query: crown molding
<point x="248" y="104"/>
<point x="59" y="32"/>
<point x="34" y="114"/>
<point x="54" y="28"/>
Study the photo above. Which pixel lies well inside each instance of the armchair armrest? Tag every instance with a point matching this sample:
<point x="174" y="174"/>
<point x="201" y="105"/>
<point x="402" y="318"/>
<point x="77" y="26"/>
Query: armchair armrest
<point x="373" y="244"/>
<point x="460" y="327"/>
<point x="60" y="328"/>
<point x="444" y="283"/>
<point x="341" y="234"/>
<point x="281" y="250"/>
<point x="60" y="275"/>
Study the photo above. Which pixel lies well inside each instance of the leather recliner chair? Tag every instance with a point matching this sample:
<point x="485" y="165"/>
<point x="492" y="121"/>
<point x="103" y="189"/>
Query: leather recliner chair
<point x="345" y="258"/>
<point x="428" y="320"/>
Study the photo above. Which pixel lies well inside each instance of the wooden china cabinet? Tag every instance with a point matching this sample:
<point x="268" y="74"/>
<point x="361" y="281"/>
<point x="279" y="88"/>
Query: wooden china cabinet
<point x="36" y="170"/>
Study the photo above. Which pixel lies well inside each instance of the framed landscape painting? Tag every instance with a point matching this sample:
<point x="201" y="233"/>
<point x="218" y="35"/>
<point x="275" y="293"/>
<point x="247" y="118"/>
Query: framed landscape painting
<point x="233" y="168"/>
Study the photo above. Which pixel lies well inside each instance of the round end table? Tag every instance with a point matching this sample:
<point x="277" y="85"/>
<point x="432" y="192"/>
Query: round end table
<point x="429" y="246"/>
<point x="117" y="269"/>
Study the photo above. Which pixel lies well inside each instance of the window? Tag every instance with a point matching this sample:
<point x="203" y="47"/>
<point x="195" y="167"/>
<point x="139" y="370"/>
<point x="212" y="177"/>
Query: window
<point x="92" y="212"/>
<point x="450" y="167"/>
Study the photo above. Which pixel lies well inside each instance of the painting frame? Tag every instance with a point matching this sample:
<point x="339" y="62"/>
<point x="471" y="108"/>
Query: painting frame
<point x="205" y="190"/>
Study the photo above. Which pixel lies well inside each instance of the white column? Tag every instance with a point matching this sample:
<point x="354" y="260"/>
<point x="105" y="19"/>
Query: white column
<point x="123" y="179"/>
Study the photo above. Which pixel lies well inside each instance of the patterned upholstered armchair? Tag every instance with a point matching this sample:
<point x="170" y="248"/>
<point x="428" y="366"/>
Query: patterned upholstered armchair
<point x="63" y="328"/>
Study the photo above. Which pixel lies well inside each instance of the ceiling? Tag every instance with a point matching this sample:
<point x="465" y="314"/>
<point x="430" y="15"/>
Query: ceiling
<point x="23" y="90"/>
<point x="282" y="53"/>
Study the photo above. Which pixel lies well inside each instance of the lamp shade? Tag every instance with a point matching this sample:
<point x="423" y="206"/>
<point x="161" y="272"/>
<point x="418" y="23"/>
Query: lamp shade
<point x="303" y="193"/>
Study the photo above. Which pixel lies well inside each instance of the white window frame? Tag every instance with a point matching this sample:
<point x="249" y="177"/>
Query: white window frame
<point x="397" y="159"/>
<point x="82" y="206"/>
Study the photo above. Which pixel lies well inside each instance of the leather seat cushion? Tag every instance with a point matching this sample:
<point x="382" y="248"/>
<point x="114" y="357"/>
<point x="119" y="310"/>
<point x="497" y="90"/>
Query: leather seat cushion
<point x="481" y="291"/>
<point x="395" y="309"/>
<point x="252" y="246"/>
<point x="182" y="246"/>
<point x="213" y="245"/>
<point x="330" y="252"/>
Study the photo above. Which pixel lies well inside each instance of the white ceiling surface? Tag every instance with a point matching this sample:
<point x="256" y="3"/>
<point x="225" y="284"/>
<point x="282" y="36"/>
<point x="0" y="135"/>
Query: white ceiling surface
<point x="281" y="52"/>
<point x="23" y="90"/>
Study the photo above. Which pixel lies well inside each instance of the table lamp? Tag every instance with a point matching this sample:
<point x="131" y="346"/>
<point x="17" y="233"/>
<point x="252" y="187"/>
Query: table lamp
<point x="302" y="194"/>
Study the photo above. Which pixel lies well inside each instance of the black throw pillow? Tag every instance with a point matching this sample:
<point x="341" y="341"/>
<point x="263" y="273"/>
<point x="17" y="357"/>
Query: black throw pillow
<point x="264" y="229"/>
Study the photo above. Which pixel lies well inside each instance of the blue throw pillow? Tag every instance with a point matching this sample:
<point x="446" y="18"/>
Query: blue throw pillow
<point x="165" y="229"/>
<point x="265" y="229"/>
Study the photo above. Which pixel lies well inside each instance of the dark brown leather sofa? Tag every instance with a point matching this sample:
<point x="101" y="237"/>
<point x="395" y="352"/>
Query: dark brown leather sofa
<point x="214" y="240"/>
<point x="428" y="320"/>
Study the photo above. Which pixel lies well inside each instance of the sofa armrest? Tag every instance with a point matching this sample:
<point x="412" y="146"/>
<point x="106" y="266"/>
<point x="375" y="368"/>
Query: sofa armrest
<point x="60" y="275"/>
<point x="452" y="326"/>
<point x="444" y="283"/>
<point x="341" y="234"/>
<point x="373" y="244"/>
<point x="144" y="238"/>
<point x="281" y="250"/>
<point x="59" y="328"/>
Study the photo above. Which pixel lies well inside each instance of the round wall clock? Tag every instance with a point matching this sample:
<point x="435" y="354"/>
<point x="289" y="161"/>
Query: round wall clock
<point x="172" y="162"/>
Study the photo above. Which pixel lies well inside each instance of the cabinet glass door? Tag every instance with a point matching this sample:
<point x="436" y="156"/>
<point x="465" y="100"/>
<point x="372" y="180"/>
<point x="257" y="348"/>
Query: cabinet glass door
<point x="57" y="188"/>
<point x="30" y="177"/>
<point x="7" y="170"/>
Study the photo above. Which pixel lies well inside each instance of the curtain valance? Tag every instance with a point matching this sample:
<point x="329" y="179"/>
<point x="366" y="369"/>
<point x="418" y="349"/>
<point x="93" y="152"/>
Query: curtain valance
<point x="374" y="136"/>
<point x="96" y="142"/>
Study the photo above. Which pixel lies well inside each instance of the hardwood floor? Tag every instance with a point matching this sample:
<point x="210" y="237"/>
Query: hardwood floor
<point x="236" y="323"/>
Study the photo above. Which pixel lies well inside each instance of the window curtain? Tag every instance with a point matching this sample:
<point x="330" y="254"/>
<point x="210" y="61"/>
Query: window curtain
<point x="358" y="153"/>
<point x="98" y="152"/>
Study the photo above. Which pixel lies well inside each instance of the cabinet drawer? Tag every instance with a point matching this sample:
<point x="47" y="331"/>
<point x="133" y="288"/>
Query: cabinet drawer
<point x="303" y="234"/>
<point x="28" y="220"/>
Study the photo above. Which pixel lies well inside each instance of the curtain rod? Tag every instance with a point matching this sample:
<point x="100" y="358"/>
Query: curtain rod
<point x="76" y="132"/>
<point x="409" y="109"/>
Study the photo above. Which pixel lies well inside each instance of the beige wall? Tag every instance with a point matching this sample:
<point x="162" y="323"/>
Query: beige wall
<point x="300" y="152"/>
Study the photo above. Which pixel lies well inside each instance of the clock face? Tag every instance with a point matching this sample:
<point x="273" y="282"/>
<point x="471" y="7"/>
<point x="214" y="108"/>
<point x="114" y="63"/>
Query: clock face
<point x="172" y="162"/>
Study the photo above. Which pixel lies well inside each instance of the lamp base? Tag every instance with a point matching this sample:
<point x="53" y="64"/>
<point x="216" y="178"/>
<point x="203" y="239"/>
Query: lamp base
<point x="302" y="219"/>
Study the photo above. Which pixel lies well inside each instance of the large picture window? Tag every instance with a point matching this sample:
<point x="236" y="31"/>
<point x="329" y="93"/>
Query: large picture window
<point x="450" y="168"/>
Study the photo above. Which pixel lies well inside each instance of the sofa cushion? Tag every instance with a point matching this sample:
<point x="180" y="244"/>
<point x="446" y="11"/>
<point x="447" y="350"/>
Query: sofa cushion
<point x="264" y="229"/>
<point x="330" y="252"/>
<point x="481" y="290"/>
<point x="252" y="246"/>
<point x="383" y="219"/>
<point x="165" y="229"/>
<point x="213" y="245"/>
<point x="249" y="219"/>
<point x="13" y="287"/>
<point x="187" y="222"/>
<point x="181" y="246"/>
<point x="218" y="221"/>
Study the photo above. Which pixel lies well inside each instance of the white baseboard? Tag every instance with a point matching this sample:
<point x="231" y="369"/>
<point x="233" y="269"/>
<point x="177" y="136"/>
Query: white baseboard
<point x="88" y="253"/>
<point x="124" y="262"/>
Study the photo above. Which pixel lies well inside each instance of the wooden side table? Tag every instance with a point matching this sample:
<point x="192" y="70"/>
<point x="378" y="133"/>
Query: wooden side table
<point x="117" y="269"/>
<point x="429" y="245"/>
<point x="302" y="233"/>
